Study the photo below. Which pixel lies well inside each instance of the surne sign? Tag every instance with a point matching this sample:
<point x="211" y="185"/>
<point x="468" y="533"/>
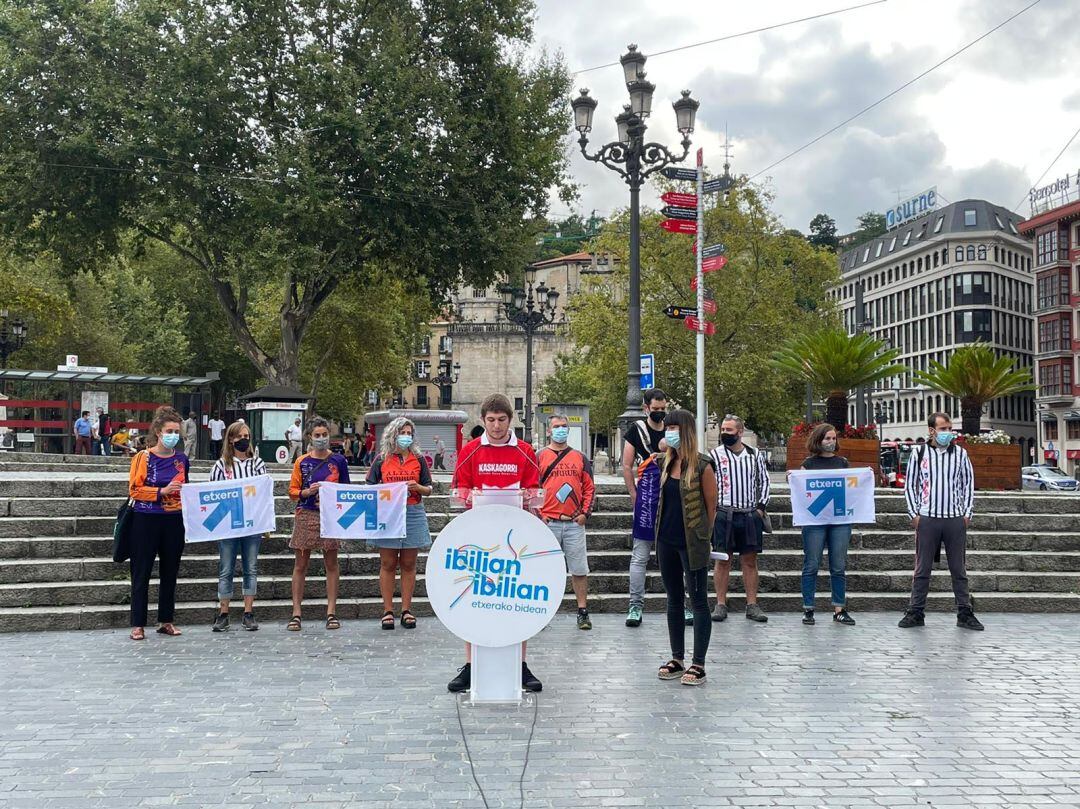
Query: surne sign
<point x="911" y="208"/>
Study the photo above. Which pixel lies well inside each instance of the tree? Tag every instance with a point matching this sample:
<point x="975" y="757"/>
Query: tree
<point x="291" y="145"/>
<point x="757" y="295"/>
<point x="563" y="237"/>
<point x="836" y="363"/>
<point x="823" y="232"/>
<point x="975" y="375"/>
<point x="871" y="225"/>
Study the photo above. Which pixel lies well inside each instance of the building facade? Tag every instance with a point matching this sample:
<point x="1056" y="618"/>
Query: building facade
<point x="954" y="276"/>
<point x="1055" y="251"/>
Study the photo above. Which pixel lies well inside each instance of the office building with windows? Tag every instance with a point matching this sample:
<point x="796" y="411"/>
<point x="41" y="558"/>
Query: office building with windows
<point x="953" y="276"/>
<point x="1055" y="230"/>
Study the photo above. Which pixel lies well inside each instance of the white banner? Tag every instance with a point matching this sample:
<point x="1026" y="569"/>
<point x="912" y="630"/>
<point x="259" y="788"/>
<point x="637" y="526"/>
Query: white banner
<point x="832" y="496"/>
<point x="347" y="511"/>
<point x="226" y="509"/>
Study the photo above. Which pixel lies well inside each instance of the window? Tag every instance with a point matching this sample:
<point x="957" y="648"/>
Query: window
<point x="1053" y="289"/>
<point x="479" y="293"/>
<point x="959" y="253"/>
<point x="519" y="403"/>
<point x="944" y="255"/>
<point x="423" y="347"/>
<point x="969" y="218"/>
<point x="972" y="287"/>
<point x="446" y="344"/>
<point x="998" y="220"/>
<point x="1050" y="430"/>
<point x="940" y="222"/>
<point x="982" y="252"/>
<point x="971" y="252"/>
<point x="996" y="260"/>
<point x="1050" y="379"/>
<point x="892" y="244"/>
<point x="973" y="325"/>
<point x="866" y="254"/>
<point x="907" y="238"/>
<point x="421" y="396"/>
<point x="880" y="246"/>
<point x="1072" y="430"/>
<point x="421" y="369"/>
<point x="1046" y="248"/>
<point x="446" y="395"/>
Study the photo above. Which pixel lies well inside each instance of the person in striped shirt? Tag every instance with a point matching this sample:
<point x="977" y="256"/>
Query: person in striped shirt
<point x="940" y="491"/>
<point x="743" y="482"/>
<point x="238" y="460"/>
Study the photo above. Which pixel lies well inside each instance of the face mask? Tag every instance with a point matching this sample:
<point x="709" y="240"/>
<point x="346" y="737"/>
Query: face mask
<point x="170" y="440"/>
<point x="944" y="437"/>
<point x="656" y="416"/>
<point x="560" y="434"/>
<point x="404" y="441"/>
<point x="728" y="439"/>
<point x="673" y="439"/>
<point x="828" y="446"/>
<point x="242" y="445"/>
<point x="320" y="443"/>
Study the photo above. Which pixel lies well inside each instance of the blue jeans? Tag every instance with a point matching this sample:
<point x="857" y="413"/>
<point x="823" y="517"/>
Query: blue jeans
<point x="248" y="548"/>
<point x="815" y="538"/>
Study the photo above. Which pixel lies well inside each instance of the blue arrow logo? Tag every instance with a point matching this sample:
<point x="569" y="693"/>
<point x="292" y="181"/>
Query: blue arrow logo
<point x="221" y="504"/>
<point x="354" y="505"/>
<point x="831" y="490"/>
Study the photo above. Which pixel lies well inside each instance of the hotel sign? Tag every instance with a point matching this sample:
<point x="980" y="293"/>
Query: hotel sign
<point x="1062" y="190"/>
<point x="911" y="208"/>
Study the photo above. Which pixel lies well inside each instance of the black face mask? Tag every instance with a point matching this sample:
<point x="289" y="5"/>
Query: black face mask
<point x="729" y="440"/>
<point x="242" y="445"/>
<point x="657" y="416"/>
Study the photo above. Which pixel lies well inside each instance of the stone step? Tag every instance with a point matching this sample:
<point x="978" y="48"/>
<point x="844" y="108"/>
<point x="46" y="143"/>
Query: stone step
<point x="273" y="614"/>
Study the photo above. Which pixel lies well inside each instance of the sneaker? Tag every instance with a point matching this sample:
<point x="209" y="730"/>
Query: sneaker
<point x="528" y="679"/>
<point x="719" y="612"/>
<point x="688" y="617"/>
<point x="967" y="620"/>
<point x="633" y="616"/>
<point x="249" y="623"/>
<point x="221" y="623"/>
<point x="583" y="620"/>
<point x="462" y="681"/>
<point x="842" y="617"/>
<point x="912" y="618"/>
<point x="808" y="617"/>
<point x="756" y="613"/>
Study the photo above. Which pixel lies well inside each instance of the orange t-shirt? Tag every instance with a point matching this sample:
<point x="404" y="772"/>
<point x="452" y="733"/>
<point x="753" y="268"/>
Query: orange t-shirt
<point x="395" y="469"/>
<point x="568" y="486"/>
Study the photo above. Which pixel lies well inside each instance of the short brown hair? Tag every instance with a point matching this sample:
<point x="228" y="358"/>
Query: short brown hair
<point x="932" y="421"/>
<point x="817" y="435"/>
<point x="496" y="403"/>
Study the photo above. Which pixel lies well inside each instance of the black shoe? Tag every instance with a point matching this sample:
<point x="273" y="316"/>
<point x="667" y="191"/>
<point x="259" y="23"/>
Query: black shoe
<point x="249" y="623"/>
<point x="910" y="619"/>
<point x="462" y="681"/>
<point x="221" y="623"/>
<point x="808" y="617"/>
<point x="967" y="620"/>
<point x="583" y="620"/>
<point x="842" y="617"/>
<point x="528" y="679"/>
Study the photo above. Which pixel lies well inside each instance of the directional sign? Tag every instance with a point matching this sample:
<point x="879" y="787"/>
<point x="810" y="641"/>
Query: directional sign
<point x="676" y="173"/>
<point x="694" y="324"/>
<point x="713" y="264"/>
<point x="709" y="306"/>
<point x="679" y="226"/>
<point x="648" y="373"/>
<point x="712" y="250"/>
<point x="680" y="312"/>
<point x="675" y="212"/>
<point x="719" y="184"/>
<point x="683" y="200"/>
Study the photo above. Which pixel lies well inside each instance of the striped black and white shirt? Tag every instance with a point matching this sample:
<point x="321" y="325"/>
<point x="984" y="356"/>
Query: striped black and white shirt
<point x="940" y="483"/>
<point x="742" y="480"/>
<point x="247" y="468"/>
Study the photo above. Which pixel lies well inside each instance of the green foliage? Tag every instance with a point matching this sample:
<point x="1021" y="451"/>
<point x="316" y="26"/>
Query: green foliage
<point x="563" y="237"/>
<point x="871" y="225"/>
<point x="823" y="232"/>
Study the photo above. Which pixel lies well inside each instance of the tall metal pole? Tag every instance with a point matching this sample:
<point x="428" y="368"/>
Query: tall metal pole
<point x="860" y="391"/>
<point x="809" y="402"/>
<point x="633" y="349"/>
<point x="528" y="380"/>
<point x="700" y="336"/>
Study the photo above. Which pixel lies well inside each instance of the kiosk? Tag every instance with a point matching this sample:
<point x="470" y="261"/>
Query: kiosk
<point x="269" y="412"/>
<point x="576" y="414"/>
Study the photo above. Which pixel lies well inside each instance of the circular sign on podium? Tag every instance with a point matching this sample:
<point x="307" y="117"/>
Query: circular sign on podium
<point x="281" y="454"/>
<point x="495" y="575"/>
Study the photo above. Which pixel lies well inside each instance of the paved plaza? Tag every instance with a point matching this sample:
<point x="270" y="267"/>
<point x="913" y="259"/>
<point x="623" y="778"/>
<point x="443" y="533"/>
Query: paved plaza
<point x="826" y="716"/>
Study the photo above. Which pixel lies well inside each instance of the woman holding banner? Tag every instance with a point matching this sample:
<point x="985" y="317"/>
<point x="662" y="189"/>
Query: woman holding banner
<point x="157" y="525"/>
<point x="822" y="446"/>
<point x="401" y="462"/>
<point x="311" y="469"/>
<point x="237" y="461"/>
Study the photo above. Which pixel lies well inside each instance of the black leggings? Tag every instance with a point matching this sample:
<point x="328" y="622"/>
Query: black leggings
<point x="160" y="535"/>
<point x="674" y="565"/>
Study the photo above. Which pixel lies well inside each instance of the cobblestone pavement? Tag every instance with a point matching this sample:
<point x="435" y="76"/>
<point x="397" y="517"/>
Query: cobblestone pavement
<point x="826" y="716"/>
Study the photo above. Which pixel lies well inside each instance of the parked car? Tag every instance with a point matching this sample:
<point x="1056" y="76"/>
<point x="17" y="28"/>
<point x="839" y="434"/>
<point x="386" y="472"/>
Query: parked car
<point x="1047" y="478"/>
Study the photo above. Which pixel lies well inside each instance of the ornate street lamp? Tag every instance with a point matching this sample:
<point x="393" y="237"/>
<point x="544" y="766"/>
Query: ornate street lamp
<point x="634" y="160"/>
<point x="12" y="336"/>
<point x="529" y="309"/>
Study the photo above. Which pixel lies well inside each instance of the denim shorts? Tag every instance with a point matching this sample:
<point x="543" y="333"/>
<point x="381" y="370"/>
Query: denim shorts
<point x="417" y="532"/>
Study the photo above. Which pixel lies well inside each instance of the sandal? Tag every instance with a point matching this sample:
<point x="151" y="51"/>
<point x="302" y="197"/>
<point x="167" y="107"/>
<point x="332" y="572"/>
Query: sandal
<point x="671" y="670"/>
<point x="294" y="624"/>
<point x="388" y="620"/>
<point x="695" y="675"/>
<point x="137" y="633"/>
<point x="169" y="629"/>
<point x="332" y="622"/>
<point x="408" y="620"/>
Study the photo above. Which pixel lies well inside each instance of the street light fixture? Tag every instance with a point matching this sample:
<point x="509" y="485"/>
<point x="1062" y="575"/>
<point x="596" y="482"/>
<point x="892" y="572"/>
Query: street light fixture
<point x="529" y="309"/>
<point x="12" y="336"/>
<point x="633" y="159"/>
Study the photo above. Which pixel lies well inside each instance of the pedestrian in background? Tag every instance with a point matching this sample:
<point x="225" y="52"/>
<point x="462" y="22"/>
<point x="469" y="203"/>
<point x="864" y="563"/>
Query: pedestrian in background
<point x="217" y="434"/>
<point x="440" y="454"/>
<point x="157" y="526"/>
<point x="84" y="433"/>
<point x="190" y="433"/>
<point x="103" y="433"/>
<point x="237" y="461"/>
<point x="401" y="461"/>
<point x="294" y="440"/>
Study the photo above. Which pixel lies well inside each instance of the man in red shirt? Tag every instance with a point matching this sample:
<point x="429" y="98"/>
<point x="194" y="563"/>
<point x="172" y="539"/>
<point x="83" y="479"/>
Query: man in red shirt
<point x="495" y="460"/>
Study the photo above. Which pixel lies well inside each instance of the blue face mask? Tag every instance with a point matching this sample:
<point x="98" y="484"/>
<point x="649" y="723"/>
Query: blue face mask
<point x="404" y="441"/>
<point x="673" y="439"/>
<point x="560" y="434"/>
<point x="170" y="440"/>
<point x="944" y="437"/>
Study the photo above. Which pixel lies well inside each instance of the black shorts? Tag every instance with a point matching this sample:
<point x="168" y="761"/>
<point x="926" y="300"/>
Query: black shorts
<point x="746" y="535"/>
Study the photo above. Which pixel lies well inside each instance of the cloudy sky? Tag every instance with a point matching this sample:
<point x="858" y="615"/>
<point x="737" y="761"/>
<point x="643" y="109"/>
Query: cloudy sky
<point x="986" y="124"/>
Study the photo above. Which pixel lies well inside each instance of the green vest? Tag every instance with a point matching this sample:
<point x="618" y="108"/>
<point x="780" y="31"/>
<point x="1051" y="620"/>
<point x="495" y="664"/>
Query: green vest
<point x="695" y="517"/>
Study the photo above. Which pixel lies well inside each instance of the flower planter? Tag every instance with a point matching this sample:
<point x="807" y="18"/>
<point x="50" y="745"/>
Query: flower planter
<point x="858" y="451"/>
<point x="996" y="466"/>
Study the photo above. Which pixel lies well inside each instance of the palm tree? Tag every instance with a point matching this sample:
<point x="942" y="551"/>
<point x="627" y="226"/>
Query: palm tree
<point x="975" y="375"/>
<point x="836" y="362"/>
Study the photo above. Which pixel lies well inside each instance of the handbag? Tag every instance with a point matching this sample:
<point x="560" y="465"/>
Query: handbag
<point x="121" y="547"/>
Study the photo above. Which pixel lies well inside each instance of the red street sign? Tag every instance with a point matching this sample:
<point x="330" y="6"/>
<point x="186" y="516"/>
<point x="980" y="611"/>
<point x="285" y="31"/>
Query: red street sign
<point x="694" y="324"/>
<point x="708" y="305"/>
<point x="680" y="200"/>
<point x="679" y="226"/>
<point x="713" y="264"/>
